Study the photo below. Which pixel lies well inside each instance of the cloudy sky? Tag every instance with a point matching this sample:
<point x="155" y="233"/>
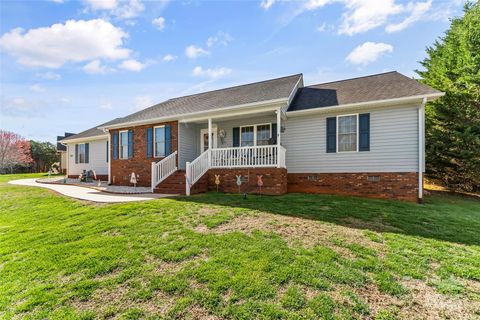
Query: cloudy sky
<point x="70" y="65"/>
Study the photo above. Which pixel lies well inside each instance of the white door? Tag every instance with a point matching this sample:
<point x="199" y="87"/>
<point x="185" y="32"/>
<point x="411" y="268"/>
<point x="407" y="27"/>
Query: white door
<point x="204" y="139"/>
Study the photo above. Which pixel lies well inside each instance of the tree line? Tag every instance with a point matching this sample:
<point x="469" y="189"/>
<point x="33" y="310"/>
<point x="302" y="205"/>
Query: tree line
<point x="20" y="155"/>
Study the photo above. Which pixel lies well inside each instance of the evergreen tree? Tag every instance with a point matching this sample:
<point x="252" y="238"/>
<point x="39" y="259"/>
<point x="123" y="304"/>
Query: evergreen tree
<point x="453" y="122"/>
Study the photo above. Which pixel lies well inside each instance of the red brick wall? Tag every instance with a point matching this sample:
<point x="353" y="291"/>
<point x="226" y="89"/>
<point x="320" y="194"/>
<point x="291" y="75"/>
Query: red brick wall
<point x="139" y="163"/>
<point x="391" y="185"/>
<point x="274" y="180"/>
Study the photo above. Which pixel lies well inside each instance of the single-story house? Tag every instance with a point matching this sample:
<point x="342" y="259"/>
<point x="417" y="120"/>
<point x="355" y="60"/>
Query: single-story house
<point x="361" y="136"/>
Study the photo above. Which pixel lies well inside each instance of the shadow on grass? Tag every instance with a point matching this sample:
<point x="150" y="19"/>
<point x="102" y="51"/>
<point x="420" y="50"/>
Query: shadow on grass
<point x="447" y="218"/>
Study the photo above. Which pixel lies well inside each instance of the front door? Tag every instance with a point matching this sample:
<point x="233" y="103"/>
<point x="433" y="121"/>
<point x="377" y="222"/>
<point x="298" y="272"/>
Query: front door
<point x="204" y="139"/>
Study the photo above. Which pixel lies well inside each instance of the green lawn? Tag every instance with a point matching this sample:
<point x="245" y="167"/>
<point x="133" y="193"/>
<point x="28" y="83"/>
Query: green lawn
<point x="216" y="256"/>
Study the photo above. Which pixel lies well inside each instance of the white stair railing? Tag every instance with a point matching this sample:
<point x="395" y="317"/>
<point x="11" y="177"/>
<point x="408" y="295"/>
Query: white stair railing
<point x="248" y="157"/>
<point x="163" y="169"/>
<point x="196" y="169"/>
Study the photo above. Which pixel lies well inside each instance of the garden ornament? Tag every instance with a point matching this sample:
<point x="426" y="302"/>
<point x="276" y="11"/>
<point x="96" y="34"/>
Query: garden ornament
<point x="217" y="180"/>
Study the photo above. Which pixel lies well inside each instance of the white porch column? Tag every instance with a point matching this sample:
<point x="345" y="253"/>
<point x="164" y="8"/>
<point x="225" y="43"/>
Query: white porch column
<point x="109" y="157"/>
<point x="279" y="128"/>
<point x="209" y="133"/>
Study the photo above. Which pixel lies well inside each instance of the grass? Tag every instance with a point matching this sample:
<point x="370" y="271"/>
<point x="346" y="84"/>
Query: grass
<point x="220" y="256"/>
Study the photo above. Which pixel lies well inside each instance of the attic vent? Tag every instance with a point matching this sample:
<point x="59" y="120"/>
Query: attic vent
<point x="373" y="178"/>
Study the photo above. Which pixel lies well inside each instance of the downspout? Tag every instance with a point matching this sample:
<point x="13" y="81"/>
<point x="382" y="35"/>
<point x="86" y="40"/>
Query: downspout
<point x="421" y="148"/>
<point x="109" y="156"/>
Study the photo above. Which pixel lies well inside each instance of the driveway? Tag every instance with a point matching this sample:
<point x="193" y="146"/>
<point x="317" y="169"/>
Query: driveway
<point x="88" y="193"/>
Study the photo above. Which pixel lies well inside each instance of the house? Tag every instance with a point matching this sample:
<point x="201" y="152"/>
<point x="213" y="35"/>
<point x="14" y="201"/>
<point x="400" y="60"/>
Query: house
<point x="62" y="152"/>
<point x="361" y="136"/>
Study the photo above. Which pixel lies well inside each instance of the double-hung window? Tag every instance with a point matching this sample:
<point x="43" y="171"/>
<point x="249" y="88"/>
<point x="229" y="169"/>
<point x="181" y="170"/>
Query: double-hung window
<point x="124" y="144"/>
<point x="256" y="135"/>
<point x="159" y="141"/>
<point x="247" y="136"/>
<point x="81" y="153"/>
<point x="347" y="133"/>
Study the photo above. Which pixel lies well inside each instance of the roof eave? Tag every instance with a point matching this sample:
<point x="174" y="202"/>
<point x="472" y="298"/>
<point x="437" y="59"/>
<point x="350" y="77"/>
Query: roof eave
<point x="374" y="103"/>
<point x="84" y="139"/>
<point x="193" y="114"/>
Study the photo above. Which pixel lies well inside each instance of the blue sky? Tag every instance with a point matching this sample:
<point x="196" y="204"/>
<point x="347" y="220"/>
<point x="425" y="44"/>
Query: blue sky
<point x="70" y="65"/>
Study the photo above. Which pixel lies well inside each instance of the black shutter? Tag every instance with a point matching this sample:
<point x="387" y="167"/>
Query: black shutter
<point x="364" y="132"/>
<point x="76" y="153"/>
<point x="236" y="137"/>
<point x="87" y="152"/>
<point x="149" y="142"/>
<point x="331" y="135"/>
<point x="168" y="140"/>
<point x="274" y="133"/>
<point x="130" y="144"/>
<point x="115" y="145"/>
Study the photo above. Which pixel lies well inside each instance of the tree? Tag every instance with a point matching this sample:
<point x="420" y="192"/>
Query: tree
<point x="44" y="154"/>
<point x="453" y="122"/>
<point x="14" y="151"/>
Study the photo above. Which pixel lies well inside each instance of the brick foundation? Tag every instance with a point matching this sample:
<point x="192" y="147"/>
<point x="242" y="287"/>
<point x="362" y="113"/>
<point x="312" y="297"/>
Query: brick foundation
<point x="274" y="180"/>
<point x="383" y="185"/>
<point x="122" y="168"/>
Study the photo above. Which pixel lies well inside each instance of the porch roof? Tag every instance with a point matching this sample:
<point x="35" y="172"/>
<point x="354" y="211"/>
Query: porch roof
<point x="258" y="92"/>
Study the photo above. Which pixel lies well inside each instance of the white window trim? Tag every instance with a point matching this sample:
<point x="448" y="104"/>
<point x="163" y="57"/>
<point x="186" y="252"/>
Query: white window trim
<point x="155" y="141"/>
<point x="255" y="131"/>
<point x="336" y="145"/>
<point x="120" y="144"/>
<point x="84" y="153"/>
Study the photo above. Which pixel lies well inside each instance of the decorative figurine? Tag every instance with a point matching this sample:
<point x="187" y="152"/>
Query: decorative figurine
<point x="259" y="182"/>
<point x="239" y="182"/>
<point x="133" y="179"/>
<point x="217" y="180"/>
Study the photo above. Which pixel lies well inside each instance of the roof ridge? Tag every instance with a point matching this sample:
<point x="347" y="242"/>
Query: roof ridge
<point x="355" y="78"/>
<point x="237" y="86"/>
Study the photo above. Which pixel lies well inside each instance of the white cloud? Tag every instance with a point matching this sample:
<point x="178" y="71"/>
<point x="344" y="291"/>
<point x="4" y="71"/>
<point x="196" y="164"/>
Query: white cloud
<point x="74" y="41"/>
<point x="417" y="10"/>
<point x="57" y="1"/>
<point x="37" y="88"/>
<point x="106" y="105"/>
<point x="21" y="106"/>
<point x="211" y="73"/>
<point x="95" y="67"/>
<point x="169" y="57"/>
<point x="315" y="4"/>
<point x="221" y="37"/>
<point x="193" y="52"/>
<point x="368" y="52"/>
<point x="122" y="9"/>
<point x="101" y="4"/>
<point x="159" y="23"/>
<point x="132" y="65"/>
<point x="322" y="27"/>
<point x="142" y="102"/>
<point x="49" y="75"/>
<point x="266" y="4"/>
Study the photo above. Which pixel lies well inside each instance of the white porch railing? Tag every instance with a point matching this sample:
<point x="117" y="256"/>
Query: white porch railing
<point x="239" y="157"/>
<point x="196" y="169"/>
<point x="163" y="168"/>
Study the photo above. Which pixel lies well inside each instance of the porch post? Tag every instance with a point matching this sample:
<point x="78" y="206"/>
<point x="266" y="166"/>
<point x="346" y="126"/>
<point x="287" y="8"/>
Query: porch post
<point x="209" y="133"/>
<point x="279" y="128"/>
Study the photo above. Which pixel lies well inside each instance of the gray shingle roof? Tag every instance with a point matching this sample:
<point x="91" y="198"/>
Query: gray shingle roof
<point x="223" y="98"/>
<point x="376" y="87"/>
<point x="89" y="133"/>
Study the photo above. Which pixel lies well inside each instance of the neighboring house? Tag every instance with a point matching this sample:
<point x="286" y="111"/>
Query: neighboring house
<point x="62" y="152"/>
<point x="361" y="136"/>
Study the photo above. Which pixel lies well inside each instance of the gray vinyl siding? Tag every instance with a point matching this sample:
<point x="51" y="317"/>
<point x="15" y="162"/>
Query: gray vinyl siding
<point x="188" y="143"/>
<point x="393" y="143"/>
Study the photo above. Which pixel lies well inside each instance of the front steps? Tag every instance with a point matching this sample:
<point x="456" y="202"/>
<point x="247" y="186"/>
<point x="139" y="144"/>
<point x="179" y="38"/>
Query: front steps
<point x="175" y="184"/>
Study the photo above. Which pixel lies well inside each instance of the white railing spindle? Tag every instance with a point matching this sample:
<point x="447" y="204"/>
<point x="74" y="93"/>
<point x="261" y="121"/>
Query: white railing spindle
<point x="163" y="168"/>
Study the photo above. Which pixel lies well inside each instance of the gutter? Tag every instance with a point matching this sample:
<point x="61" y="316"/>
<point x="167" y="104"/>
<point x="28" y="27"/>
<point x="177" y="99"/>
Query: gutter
<point x="378" y="103"/>
<point x="421" y="147"/>
<point x="92" y="138"/>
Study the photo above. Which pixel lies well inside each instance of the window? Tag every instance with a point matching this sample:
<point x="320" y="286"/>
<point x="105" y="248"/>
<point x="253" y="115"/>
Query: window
<point x="123" y="144"/>
<point x="81" y="153"/>
<point x="263" y="134"/>
<point x="347" y="133"/>
<point x="256" y="135"/>
<point x="247" y="136"/>
<point x="159" y="141"/>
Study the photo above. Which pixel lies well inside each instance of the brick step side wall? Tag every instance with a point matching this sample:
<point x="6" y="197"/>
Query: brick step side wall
<point x="383" y="185"/>
<point x="175" y="184"/>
